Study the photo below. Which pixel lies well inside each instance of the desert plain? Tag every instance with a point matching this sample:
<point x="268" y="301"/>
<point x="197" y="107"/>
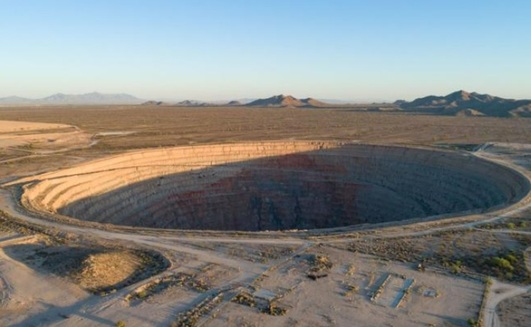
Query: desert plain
<point x="238" y="216"/>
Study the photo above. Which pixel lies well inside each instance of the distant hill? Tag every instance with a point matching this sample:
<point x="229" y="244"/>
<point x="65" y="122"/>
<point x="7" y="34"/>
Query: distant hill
<point x="287" y="101"/>
<point x="79" y="99"/>
<point x="156" y="103"/>
<point x="15" y="100"/>
<point x="185" y="103"/>
<point x="192" y="103"/>
<point x="311" y="102"/>
<point x="463" y="103"/>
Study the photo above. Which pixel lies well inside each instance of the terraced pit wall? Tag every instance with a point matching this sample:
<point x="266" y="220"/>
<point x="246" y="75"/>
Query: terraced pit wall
<point x="274" y="186"/>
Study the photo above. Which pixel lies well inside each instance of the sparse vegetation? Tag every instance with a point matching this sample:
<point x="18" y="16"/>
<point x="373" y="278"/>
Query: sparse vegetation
<point x="191" y="317"/>
<point x="473" y="322"/>
<point x="245" y="298"/>
<point x="273" y="309"/>
<point x="319" y="266"/>
<point x="350" y="289"/>
<point x="350" y="269"/>
<point x="511" y="223"/>
<point x="180" y="279"/>
<point x="456" y="266"/>
<point x="479" y="253"/>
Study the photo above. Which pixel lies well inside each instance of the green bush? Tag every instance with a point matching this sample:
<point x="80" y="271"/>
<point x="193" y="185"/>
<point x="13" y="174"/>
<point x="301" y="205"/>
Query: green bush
<point x="142" y="294"/>
<point x="456" y="267"/>
<point x="511" y="258"/>
<point x="502" y="263"/>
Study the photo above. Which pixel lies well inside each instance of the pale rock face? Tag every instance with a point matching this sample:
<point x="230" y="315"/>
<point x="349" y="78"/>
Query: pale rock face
<point x="274" y="186"/>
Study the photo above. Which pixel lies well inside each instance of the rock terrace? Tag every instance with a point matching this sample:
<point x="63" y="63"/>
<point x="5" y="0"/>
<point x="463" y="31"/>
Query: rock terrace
<point x="274" y="186"/>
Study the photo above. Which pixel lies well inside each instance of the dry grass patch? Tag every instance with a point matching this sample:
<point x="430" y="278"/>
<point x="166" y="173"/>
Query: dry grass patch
<point x="469" y="252"/>
<point x="105" y="270"/>
<point x="95" y="268"/>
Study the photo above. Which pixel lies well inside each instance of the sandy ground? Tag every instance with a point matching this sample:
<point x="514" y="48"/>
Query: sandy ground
<point x="25" y="126"/>
<point x="515" y="312"/>
<point x="343" y="298"/>
<point x="40" y="138"/>
<point x="29" y="293"/>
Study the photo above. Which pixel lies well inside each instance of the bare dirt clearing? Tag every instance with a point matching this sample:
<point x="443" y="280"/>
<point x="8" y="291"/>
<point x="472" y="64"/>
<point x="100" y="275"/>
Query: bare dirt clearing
<point x="400" y="295"/>
<point x="29" y="293"/>
<point x="514" y="312"/>
<point x="24" y="126"/>
<point x="31" y="137"/>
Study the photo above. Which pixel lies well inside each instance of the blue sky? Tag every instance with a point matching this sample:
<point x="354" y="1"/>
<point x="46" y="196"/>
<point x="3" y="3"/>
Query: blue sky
<point x="214" y="49"/>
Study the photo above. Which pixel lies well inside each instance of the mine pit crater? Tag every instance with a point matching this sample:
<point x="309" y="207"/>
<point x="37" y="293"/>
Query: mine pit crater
<point x="276" y="186"/>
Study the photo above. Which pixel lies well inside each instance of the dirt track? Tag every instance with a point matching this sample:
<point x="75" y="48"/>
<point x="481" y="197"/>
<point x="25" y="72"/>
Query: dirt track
<point x="499" y="292"/>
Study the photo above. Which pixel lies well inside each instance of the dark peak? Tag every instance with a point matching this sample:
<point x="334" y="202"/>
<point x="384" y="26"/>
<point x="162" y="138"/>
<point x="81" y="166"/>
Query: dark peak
<point x="459" y="95"/>
<point x="153" y="103"/>
<point x="192" y="103"/>
<point x="469" y="104"/>
<point x="188" y="102"/>
<point x="282" y="100"/>
<point x="484" y="97"/>
<point x="284" y="97"/>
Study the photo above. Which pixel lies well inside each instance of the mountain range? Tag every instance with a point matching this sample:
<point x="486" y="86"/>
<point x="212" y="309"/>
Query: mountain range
<point x="462" y="103"/>
<point x="459" y="103"/>
<point x="279" y="101"/>
<point x="184" y="103"/>
<point x="78" y="99"/>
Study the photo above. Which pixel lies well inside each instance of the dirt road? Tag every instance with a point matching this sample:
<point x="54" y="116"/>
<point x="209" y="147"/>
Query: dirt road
<point x="498" y="292"/>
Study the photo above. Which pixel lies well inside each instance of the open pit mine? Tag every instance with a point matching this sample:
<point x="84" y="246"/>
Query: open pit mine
<point x="274" y="186"/>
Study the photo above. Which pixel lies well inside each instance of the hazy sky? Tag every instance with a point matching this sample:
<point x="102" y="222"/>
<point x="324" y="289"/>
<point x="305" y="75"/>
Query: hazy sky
<point x="211" y="50"/>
